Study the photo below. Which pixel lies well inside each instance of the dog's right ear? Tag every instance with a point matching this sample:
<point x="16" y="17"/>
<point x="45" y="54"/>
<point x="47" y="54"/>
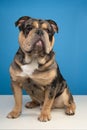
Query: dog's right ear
<point x="21" y="20"/>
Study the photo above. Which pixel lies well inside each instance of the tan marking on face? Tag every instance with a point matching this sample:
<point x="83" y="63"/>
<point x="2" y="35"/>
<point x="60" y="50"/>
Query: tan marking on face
<point x="44" y="26"/>
<point x="35" y="24"/>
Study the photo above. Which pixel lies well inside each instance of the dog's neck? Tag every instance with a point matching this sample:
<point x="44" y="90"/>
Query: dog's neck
<point x="26" y="58"/>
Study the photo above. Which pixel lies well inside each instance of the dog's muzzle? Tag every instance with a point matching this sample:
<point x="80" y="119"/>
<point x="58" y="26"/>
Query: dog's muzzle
<point x="38" y="45"/>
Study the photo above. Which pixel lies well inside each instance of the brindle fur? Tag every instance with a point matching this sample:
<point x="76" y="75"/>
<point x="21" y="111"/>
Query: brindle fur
<point x="44" y="84"/>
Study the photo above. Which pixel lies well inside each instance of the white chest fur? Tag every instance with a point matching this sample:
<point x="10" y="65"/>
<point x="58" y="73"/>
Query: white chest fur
<point x="28" y="69"/>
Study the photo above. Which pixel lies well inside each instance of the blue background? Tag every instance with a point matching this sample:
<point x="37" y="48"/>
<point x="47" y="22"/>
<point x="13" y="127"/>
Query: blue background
<point x="70" y="43"/>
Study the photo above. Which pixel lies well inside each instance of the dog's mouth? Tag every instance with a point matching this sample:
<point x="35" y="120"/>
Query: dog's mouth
<point x="38" y="48"/>
<point x="38" y="45"/>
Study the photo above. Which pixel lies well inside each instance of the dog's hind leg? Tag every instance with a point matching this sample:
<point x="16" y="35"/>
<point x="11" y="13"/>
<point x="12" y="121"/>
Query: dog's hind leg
<point x="69" y="103"/>
<point x="32" y="104"/>
<point x="65" y="100"/>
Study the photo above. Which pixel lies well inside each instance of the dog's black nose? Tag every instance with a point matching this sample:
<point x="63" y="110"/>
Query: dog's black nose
<point x="39" y="32"/>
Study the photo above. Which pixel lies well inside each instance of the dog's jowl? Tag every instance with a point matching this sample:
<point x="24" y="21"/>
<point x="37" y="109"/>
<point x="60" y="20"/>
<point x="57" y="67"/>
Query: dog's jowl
<point x="34" y="69"/>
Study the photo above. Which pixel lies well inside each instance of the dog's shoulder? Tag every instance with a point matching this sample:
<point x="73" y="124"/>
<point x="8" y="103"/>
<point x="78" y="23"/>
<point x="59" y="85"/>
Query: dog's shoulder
<point x="15" y="66"/>
<point x="19" y="56"/>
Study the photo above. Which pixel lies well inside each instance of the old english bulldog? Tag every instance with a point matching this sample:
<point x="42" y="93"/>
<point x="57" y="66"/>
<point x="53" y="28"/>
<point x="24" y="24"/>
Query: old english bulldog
<point x="34" y="69"/>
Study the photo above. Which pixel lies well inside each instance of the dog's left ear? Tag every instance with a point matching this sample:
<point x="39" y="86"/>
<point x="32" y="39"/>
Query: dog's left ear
<point x="54" y="25"/>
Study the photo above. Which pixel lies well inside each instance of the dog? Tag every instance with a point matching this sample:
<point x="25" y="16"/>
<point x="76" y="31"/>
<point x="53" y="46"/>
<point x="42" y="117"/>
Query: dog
<point x="34" y="69"/>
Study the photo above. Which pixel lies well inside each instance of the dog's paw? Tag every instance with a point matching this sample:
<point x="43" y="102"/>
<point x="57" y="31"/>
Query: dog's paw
<point x="44" y="117"/>
<point x="13" y="114"/>
<point x="69" y="111"/>
<point x="31" y="104"/>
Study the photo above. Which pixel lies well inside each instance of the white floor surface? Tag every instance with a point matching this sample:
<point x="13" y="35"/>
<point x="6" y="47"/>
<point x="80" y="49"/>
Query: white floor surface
<point x="28" y="119"/>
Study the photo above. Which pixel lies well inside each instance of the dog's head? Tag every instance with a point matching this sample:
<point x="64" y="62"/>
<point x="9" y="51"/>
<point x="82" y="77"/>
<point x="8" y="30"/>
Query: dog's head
<point x="36" y="35"/>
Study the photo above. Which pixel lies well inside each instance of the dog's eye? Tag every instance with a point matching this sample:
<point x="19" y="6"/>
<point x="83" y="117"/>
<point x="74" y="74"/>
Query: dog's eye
<point x="27" y="30"/>
<point x="47" y="30"/>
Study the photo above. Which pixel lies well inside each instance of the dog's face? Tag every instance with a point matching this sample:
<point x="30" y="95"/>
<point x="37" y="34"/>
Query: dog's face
<point x="36" y="36"/>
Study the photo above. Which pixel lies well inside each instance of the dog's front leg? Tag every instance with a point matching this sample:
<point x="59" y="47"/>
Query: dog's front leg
<point x="18" y="101"/>
<point x="46" y="109"/>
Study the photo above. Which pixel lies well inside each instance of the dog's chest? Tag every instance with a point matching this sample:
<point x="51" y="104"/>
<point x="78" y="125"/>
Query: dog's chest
<point x="28" y="69"/>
